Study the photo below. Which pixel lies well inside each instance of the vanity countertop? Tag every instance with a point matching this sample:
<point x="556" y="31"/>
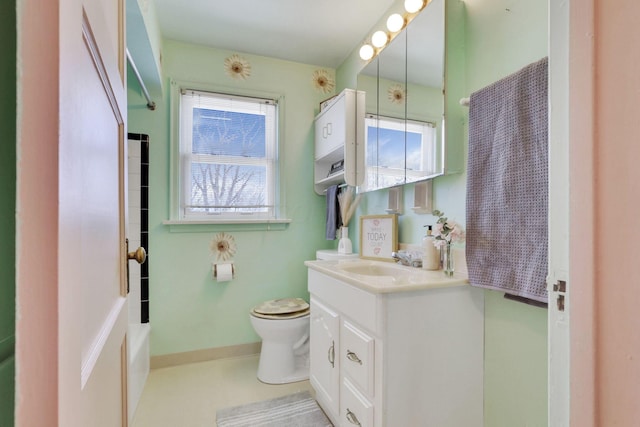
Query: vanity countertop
<point x="385" y="277"/>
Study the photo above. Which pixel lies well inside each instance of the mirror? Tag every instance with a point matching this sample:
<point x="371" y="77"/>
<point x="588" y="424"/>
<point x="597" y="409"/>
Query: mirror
<point x="404" y="88"/>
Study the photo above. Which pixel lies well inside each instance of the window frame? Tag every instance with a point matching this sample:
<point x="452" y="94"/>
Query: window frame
<point x="180" y="181"/>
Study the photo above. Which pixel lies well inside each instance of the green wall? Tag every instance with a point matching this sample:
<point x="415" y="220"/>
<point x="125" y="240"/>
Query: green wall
<point x="500" y="40"/>
<point x="188" y="310"/>
<point x="7" y="209"/>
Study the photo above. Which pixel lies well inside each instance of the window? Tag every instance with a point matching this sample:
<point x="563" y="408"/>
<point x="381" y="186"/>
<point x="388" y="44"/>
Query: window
<point x="398" y="151"/>
<point x="228" y="157"/>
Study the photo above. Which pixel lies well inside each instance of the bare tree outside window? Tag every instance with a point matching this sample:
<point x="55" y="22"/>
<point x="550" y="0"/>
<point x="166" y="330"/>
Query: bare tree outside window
<point x="228" y="147"/>
<point x="219" y="185"/>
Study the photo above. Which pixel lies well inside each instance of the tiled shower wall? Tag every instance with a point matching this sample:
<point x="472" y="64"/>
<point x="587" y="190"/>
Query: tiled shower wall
<point x="138" y="155"/>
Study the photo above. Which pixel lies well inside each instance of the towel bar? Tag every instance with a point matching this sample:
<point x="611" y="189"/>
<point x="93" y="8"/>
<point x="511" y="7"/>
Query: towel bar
<point x="339" y="186"/>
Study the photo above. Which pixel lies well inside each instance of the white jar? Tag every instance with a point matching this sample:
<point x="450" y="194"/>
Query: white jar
<point x="430" y="254"/>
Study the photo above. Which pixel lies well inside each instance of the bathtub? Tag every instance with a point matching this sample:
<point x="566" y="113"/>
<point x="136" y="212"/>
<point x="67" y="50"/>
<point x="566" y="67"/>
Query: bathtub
<point x="138" y="332"/>
<point x="138" y="364"/>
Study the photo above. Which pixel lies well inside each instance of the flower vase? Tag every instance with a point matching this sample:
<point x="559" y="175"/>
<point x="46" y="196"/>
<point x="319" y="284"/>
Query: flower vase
<point x="447" y="260"/>
<point x="344" y="244"/>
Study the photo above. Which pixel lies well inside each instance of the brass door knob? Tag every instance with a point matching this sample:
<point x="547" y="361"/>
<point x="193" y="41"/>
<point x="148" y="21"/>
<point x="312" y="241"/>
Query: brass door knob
<point x="140" y="255"/>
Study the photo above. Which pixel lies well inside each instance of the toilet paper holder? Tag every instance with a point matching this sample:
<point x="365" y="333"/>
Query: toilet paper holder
<point x="215" y="270"/>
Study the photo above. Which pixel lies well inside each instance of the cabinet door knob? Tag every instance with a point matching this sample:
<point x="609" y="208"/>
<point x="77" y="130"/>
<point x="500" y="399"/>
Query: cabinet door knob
<point x="353" y="357"/>
<point x="351" y="417"/>
<point x="331" y="355"/>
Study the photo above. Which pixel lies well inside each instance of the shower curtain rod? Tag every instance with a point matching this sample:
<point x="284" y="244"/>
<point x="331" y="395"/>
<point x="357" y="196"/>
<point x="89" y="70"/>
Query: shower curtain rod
<point x="150" y="104"/>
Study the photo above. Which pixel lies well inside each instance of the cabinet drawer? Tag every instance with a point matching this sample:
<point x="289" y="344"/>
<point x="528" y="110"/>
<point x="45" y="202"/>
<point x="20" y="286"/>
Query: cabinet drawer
<point x="355" y="409"/>
<point x="362" y="306"/>
<point x="357" y="356"/>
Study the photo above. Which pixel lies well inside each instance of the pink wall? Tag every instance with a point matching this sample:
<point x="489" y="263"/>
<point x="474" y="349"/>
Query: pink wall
<point x="605" y="201"/>
<point x="37" y="215"/>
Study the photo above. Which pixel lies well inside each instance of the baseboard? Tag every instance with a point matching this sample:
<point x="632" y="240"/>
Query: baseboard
<point x="204" y="355"/>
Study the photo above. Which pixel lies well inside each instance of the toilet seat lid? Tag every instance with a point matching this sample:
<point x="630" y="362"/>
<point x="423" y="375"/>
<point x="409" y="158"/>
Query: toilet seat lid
<point x="281" y="316"/>
<point x="282" y="306"/>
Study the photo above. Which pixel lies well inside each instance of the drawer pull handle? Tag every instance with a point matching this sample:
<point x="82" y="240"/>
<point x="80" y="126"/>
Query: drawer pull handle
<point x="353" y="357"/>
<point x="351" y="417"/>
<point x="331" y="355"/>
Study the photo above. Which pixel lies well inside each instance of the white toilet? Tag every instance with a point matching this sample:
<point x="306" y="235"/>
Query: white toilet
<point x="333" y="254"/>
<point x="283" y="325"/>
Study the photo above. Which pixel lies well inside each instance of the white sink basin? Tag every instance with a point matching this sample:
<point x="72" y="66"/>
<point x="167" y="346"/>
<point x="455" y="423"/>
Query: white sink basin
<point x="374" y="269"/>
<point x="382" y="277"/>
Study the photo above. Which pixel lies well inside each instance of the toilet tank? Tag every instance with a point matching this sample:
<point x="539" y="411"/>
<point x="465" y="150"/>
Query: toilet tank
<point x="332" y="254"/>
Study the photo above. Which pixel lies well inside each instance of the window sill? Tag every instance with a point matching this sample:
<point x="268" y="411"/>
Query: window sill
<point x="182" y="226"/>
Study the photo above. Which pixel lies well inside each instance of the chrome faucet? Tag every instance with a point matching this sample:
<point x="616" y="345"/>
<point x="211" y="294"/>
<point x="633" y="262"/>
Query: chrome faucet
<point x="404" y="258"/>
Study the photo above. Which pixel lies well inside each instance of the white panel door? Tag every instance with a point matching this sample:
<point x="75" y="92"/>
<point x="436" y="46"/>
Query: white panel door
<point x="92" y="215"/>
<point x="558" y="277"/>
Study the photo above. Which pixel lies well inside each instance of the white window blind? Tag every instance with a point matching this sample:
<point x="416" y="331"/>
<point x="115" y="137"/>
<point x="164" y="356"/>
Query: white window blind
<point x="228" y="156"/>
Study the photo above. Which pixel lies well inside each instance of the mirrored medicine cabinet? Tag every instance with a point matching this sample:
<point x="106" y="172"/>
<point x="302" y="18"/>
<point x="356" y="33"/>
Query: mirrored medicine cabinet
<point x="404" y="85"/>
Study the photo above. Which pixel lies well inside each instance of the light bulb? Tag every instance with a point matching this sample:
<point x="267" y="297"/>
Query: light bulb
<point x="366" y="52"/>
<point x="413" y="6"/>
<point x="379" y="39"/>
<point x="395" y="23"/>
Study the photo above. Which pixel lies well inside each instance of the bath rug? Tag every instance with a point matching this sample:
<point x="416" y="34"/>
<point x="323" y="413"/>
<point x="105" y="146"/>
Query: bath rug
<point x="295" y="410"/>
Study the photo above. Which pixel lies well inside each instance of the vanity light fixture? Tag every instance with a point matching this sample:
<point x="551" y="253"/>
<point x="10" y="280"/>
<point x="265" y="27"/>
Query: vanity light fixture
<point x="395" y="22"/>
<point x="366" y="52"/>
<point x="379" y="39"/>
<point x="412" y="6"/>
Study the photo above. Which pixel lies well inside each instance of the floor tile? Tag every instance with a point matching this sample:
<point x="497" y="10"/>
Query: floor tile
<point x="189" y="395"/>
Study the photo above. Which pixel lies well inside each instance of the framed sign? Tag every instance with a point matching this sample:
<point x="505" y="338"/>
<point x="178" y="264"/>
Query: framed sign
<point x="378" y="236"/>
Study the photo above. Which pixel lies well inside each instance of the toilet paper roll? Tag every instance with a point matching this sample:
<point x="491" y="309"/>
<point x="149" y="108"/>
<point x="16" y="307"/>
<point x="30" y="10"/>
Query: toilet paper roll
<point x="223" y="272"/>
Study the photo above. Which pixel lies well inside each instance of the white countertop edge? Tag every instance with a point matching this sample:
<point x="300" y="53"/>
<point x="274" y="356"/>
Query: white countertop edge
<point x="368" y="283"/>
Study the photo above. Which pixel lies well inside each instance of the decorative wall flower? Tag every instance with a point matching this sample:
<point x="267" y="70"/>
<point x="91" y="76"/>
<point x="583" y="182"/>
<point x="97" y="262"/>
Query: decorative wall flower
<point x="447" y="230"/>
<point x="323" y="81"/>
<point x="223" y="245"/>
<point x="396" y="94"/>
<point x="237" y="67"/>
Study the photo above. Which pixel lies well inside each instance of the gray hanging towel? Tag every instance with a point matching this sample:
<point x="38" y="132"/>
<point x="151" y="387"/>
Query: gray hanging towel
<point x="507" y="184"/>
<point x="333" y="212"/>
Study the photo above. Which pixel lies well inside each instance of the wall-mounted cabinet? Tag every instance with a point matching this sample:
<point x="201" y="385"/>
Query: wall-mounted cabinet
<point x="405" y="91"/>
<point x="339" y="146"/>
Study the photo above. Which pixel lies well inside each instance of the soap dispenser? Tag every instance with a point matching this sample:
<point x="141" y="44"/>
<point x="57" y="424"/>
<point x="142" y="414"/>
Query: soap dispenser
<point x="430" y="254"/>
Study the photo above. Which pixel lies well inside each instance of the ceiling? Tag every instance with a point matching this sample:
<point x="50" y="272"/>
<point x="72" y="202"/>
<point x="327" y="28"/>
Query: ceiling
<point x="320" y="32"/>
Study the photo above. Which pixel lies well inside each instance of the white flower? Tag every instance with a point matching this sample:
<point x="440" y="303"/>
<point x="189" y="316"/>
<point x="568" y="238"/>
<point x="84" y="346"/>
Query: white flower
<point x="223" y="245"/>
<point x="323" y="81"/>
<point x="237" y="67"/>
<point x="396" y="94"/>
<point x="457" y="233"/>
<point x="437" y="231"/>
<point x="447" y="230"/>
<point x="438" y="243"/>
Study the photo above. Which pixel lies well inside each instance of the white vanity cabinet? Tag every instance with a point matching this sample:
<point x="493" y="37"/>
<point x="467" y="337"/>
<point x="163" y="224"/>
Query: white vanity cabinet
<point x="339" y="137"/>
<point x="411" y="358"/>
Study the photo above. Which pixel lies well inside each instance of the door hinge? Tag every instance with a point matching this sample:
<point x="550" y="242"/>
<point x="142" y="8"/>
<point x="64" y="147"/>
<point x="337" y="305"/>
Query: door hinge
<point x="561" y="288"/>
